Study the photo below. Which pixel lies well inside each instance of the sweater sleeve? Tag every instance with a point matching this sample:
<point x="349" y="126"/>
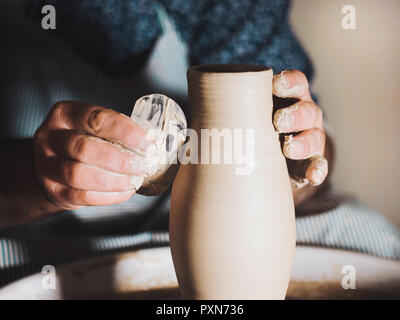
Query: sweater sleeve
<point x="115" y="35"/>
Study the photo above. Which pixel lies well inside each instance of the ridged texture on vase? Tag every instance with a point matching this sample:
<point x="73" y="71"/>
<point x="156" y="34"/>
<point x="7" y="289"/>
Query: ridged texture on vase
<point x="233" y="236"/>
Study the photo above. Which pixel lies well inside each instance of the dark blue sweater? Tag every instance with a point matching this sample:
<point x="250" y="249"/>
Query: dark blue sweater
<point x="117" y="35"/>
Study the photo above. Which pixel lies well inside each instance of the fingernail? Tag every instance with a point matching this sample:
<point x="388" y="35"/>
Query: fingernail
<point x="319" y="168"/>
<point x="281" y="86"/>
<point x="124" y="115"/>
<point x="284" y="119"/>
<point x="280" y="82"/>
<point x="291" y="147"/>
<point x="316" y="176"/>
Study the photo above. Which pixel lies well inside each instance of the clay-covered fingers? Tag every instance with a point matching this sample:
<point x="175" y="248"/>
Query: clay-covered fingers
<point x="300" y="116"/>
<point x="100" y="122"/>
<point x="90" y="155"/>
<point x="98" y="152"/>
<point x="291" y="84"/>
<point x="70" y="184"/>
<point x="317" y="170"/>
<point x="71" y="198"/>
<point x="303" y="116"/>
<point x="304" y="145"/>
<point x="84" y="176"/>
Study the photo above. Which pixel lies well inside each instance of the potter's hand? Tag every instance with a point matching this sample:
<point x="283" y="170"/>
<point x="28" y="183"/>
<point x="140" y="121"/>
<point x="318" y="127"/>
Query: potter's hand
<point x="303" y="120"/>
<point x="75" y="161"/>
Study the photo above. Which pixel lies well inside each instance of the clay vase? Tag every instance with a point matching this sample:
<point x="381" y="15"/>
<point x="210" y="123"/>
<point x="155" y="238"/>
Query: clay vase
<point x="232" y="232"/>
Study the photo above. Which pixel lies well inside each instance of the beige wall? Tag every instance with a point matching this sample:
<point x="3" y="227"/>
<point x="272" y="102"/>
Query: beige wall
<point x="358" y="83"/>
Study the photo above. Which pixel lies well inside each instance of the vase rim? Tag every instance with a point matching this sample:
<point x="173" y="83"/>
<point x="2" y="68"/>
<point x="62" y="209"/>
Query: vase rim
<point x="228" y="68"/>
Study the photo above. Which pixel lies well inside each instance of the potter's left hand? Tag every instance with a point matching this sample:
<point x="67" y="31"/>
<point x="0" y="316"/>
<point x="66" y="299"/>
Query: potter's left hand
<point x="303" y="120"/>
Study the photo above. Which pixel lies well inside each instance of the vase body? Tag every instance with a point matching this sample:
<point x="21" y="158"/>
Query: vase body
<point x="232" y="223"/>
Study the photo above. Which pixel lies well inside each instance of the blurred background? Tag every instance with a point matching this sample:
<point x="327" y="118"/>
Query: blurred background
<point x="357" y="79"/>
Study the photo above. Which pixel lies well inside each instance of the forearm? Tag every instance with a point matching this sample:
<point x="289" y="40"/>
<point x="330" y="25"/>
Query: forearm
<point x="21" y="196"/>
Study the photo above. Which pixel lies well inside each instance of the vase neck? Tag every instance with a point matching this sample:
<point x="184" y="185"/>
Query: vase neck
<point x="233" y="96"/>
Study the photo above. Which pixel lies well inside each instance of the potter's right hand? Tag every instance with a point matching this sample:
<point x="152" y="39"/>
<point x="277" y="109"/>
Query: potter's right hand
<point x="75" y="161"/>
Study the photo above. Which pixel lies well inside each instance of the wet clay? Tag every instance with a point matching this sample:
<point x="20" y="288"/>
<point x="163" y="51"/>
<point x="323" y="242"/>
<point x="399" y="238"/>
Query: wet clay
<point x="232" y="235"/>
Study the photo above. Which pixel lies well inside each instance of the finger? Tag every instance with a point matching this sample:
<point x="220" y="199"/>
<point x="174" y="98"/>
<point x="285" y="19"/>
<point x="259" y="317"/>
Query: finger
<point x="71" y="198"/>
<point x="100" y="153"/>
<point x="83" y="176"/>
<point x="300" y="116"/>
<point x="291" y="84"/>
<point x="304" y="145"/>
<point x="317" y="170"/>
<point x="101" y="122"/>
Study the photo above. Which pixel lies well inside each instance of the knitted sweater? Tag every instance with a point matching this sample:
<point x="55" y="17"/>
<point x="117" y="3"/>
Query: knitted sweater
<point x="118" y="35"/>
